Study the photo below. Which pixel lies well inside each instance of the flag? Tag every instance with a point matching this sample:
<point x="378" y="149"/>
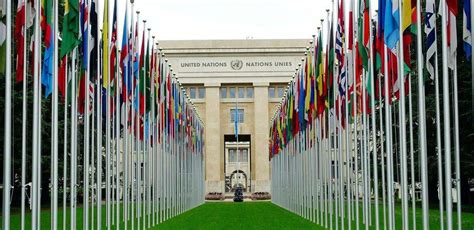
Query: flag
<point x="70" y="33"/>
<point x="20" y="39"/>
<point x="105" y="46"/>
<point x="452" y="7"/>
<point x="3" y="33"/>
<point x="48" y="41"/>
<point x="430" y="42"/>
<point x="94" y="41"/>
<point x="363" y="36"/>
<point x="236" y="121"/>
<point x="113" y="46"/>
<point x="84" y="50"/>
<point x="466" y="28"/>
<point x="391" y="23"/>
<point x="124" y="60"/>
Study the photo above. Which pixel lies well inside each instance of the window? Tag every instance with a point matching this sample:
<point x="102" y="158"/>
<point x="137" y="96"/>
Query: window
<point x="232" y="155"/>
<point x="238" y="156"/>
<point x="241" y="92"/>
<point x="249" y="92"/>
<point x="201" y="92"/>
<point x="271" y="92"/>
<point x="223" y="92"/>
<point x="280" y="91"/>
<point x="192" y="92"/>
<point x="232" y="92"/>
<point x="240" y="114"/>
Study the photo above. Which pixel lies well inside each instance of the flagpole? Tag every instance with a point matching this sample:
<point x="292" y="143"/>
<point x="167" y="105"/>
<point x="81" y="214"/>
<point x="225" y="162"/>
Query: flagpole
<point x="73" y="140"/>
<point x="446" y="114"/>
<point x="65" y="137"/>
<point x="86" y="127"/>
<point x="422" y="121"/>
<point x="36" y="133"/>
<point x="456" y="145"/>
<point x="125" y="128"/>
<point x="374" y="137"/>
<point x="7" y="157"/>
<point x="54" y="122"/>
<point x="402" y="127"/>
<point x="24" y="120"/>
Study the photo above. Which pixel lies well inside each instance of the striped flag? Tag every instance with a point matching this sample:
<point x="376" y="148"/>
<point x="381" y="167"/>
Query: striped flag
<point x="466" y="28"/>
<point x="430" y="30"/>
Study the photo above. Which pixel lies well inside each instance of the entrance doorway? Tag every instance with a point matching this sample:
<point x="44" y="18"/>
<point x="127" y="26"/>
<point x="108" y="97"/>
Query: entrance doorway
<point x="237" y="157"/>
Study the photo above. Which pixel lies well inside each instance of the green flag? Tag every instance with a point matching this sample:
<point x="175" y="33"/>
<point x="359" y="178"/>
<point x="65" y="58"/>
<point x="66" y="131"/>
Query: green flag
<point x="70" y="34"/>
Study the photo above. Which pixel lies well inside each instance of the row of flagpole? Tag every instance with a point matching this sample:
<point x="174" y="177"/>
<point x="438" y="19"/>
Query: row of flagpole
<point x="340" y="138"/>
<point x="152" y="146"/>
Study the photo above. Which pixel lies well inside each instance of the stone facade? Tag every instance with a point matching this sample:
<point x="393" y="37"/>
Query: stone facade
<point x="257" y="71"/>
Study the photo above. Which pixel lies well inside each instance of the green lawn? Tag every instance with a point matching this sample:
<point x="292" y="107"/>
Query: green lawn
<point x="247" y="215"/>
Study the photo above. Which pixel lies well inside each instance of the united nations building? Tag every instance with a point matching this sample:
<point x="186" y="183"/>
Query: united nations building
<point x="231" y="80"/>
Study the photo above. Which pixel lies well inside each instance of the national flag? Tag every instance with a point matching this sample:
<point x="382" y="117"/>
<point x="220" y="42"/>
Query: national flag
<point x="70" y="33"/>
<point x="105" y="46"/>
<point x="452" y="7"/>
<point x="430" y="42"/>
<point x="113" y="46"/>
<point x="391" y="23"/>
<point x="124" y="60"/>
<point x="20" y="39"/>
<point x="363" y="33"/>
<point x="48" y="41"/>
<point x="466" y="28"/>
<point x="84" y="50"/>
<point x="3" y="33"/>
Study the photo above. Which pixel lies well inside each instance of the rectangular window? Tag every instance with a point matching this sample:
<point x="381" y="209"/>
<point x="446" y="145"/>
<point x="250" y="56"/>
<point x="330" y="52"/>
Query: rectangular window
<point x="232" y="92"/>
<point x="232" y="155"/>
<point x="241" y="92"/>
<point x="243" y="156"/>
<point x="249" y="92"/>
<point x="223" y="92"/>
<point x="192" y="92"/>
<point x="240" y="114"/>
<point x="280" y="91"/>
<point x="271" y="92"/>
<point x="202" y="92"/>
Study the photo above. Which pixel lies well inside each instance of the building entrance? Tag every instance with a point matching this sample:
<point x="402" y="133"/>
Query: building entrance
<point x="237" y="157"/>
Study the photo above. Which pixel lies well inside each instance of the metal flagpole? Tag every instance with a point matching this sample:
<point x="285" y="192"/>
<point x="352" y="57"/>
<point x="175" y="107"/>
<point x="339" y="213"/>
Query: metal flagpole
<point x="382" y="153"/>
<point x="422" y="122"/>
<point x="118" y="151"/>
<point x="446" y="114"/>
<point x="65" y="153"/>
<point x="125" y="139"/>
<point x="374" y="137"/>
<point x="388" y="143"/>
<point x="402" y="127"/>
<point x="54" y="122"/>
<point x="7" y="157"/>
<point x="86" y="129"/>
<point x="355" y="128"/>
<point x="24" y="120"/>
<point x="99" y="139"/>
<point x="36" y="120"/>
<point x="456" y="145"/>
<point x="73" y="141"/>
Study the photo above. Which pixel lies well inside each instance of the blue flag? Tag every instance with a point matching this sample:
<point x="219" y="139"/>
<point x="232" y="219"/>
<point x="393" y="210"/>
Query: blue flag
<point x="236" y="120"/>
<point x="466" y="28"/>
<point x="391" y="23"/>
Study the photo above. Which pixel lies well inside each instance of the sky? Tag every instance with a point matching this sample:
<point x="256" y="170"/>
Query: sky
<point x="229" y="19"/>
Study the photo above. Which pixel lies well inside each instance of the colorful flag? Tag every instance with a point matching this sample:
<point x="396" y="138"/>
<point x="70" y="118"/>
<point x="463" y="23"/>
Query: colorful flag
<point x="20" y="40"/>
<point x="466" y="28"/>
<point x="391" y="23"/>
<point x="430" y="42"/>
<point x="48" y="41"/>
<point x="105" y="46"/>
<point x="124" y="60"/>
<point x="113" y="46"/>
<point x="452" y="7"/>
<point x="70" y="33"/>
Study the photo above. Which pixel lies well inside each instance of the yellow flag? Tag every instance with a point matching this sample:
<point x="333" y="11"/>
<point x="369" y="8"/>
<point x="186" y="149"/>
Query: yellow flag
<point x="406" y="14"/>
<point x="105" y="45"/>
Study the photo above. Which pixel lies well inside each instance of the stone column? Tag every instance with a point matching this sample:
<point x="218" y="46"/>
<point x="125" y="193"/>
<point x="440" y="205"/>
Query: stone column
<point x="262" y="165"/>
<point x="213" y="140"/>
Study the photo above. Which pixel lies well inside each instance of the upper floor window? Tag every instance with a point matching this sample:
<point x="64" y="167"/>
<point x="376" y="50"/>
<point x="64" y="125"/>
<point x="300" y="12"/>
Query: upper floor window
<point x="271" y="92"/>
<point x="224" y="92"/>
<point x="192" y="92"/>
<point x="239" y="113"/>
<point x="201" y="92"/>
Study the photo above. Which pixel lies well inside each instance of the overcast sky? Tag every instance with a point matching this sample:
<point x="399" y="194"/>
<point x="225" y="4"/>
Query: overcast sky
<point x="229" y="19"/>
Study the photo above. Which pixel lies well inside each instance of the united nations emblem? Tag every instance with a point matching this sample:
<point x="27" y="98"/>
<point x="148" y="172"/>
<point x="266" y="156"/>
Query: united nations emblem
<point x="236" y="64"/>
